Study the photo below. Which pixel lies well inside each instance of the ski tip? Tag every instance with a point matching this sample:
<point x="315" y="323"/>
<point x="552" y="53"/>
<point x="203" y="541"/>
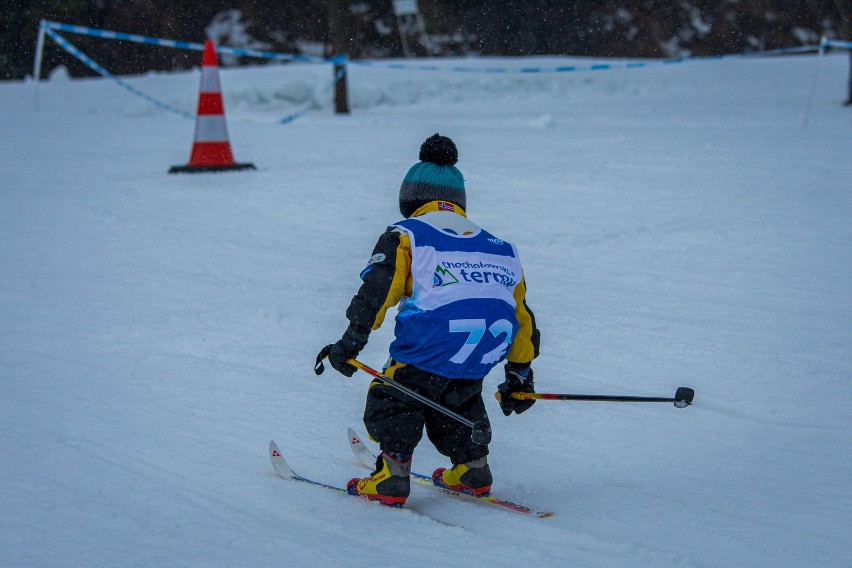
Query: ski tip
<point x="278" y="462"/>
<point x="354" y="440"/>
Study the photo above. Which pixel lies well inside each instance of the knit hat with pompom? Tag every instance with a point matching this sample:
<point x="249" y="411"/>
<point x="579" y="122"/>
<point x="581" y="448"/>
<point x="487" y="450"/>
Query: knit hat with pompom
<point x="434" y="178"/>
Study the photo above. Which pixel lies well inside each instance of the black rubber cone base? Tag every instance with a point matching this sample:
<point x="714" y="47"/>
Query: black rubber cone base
<point x="202" y="169"/>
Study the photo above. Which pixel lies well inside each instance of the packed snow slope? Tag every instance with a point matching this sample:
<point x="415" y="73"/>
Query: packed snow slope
<point x="686" y="225"/>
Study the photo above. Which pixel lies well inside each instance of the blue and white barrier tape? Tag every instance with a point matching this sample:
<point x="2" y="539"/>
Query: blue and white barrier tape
<point x="91" y="64"/>
<point x="106" y="34"/>
<point x="578" y="68"/>
<point x="94" y="66"/>
<point x="51" y="27"/>
<point x="840" y="44"/>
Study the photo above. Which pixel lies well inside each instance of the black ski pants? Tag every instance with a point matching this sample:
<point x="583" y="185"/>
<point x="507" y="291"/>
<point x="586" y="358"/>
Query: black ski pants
<point x="396" y="421"/>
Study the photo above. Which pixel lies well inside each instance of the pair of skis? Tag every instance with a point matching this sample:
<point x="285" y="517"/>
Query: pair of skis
<point x="368" y="458"/>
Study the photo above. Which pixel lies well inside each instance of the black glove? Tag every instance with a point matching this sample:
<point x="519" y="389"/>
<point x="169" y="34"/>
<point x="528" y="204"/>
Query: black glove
<point x="519" y="378"/>
<point x="352" y="342"/>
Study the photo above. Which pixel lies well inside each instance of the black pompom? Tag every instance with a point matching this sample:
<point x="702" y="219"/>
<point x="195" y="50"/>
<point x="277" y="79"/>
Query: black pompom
<point x="439" y="150"/>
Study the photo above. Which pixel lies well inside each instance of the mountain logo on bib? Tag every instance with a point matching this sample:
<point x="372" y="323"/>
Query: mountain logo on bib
<point x="443" y="277"/>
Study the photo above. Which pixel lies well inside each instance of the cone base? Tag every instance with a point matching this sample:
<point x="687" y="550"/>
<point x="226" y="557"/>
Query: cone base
<point x="189" y="169"/>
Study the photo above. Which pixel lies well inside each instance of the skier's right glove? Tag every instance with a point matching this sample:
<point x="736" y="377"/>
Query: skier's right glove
<point x="348" y="347"/>
<point x="519" y="378"/>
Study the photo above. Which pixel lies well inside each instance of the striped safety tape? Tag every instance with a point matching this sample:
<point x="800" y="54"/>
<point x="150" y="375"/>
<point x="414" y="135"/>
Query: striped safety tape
<point x="51" y="28"/>
<point x="840" y="44"/>
<point x="107" y="34"/>
<point x="580" y="68"/>
<point x="91" y="64"/>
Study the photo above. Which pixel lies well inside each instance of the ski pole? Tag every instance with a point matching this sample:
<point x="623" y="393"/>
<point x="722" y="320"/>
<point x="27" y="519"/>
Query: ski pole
<point x="682" y="398"/>
<point x="480" y="432"/>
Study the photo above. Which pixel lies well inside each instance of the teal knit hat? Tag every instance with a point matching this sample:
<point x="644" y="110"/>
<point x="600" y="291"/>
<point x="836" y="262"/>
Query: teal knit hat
<point x="434" y="178"/>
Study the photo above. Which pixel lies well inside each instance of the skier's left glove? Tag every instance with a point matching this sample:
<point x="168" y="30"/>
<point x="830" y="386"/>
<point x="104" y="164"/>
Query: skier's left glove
<point x="519" y="378"/>
<point x="348" y="347"/>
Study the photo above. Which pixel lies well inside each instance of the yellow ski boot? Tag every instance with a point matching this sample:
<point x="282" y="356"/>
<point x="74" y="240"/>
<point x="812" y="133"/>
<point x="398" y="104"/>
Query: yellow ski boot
<point x="389" y="484"/>
<point x="473" y="478"/>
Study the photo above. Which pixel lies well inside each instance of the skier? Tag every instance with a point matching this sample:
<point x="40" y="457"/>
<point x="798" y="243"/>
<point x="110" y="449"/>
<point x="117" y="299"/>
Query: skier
<point x="462" y="312"/>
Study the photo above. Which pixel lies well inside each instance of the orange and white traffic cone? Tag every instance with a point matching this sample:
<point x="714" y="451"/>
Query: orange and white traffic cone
<point x="211" y="150"/>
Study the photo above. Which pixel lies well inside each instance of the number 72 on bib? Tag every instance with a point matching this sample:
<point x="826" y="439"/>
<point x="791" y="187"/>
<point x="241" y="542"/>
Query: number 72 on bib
<point x="476" y="330"/>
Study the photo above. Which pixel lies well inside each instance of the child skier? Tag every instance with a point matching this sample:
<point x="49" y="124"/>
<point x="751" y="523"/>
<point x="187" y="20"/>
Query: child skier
<point x="463" y="311"/>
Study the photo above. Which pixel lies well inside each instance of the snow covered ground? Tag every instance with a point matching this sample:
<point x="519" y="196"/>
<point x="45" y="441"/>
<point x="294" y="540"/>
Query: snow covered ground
<point x="679" y="225"/>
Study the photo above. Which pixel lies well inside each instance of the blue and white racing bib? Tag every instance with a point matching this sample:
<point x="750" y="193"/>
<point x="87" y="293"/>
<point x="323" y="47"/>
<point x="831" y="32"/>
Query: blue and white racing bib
<point x="460" y="319"/>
